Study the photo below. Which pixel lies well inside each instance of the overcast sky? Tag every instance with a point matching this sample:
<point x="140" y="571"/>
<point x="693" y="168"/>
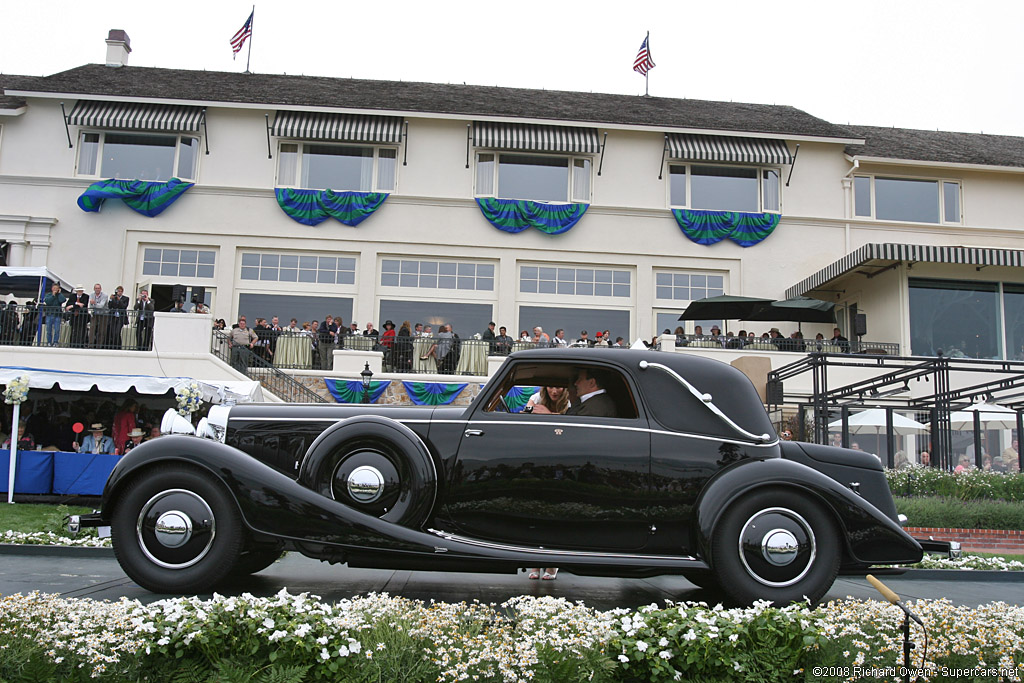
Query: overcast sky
<point x="934" y="65"/>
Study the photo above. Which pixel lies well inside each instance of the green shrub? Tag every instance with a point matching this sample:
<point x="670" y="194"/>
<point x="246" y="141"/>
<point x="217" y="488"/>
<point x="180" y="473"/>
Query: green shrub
<point x="937" y="511"/>
<point x="970" y="485"/>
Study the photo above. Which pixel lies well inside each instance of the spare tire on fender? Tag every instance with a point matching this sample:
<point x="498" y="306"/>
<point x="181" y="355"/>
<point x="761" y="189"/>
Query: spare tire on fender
<point x="375" y="465"/>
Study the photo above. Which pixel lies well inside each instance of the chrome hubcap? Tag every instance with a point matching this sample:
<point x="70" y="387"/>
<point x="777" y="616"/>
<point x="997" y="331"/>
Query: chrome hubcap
<point x="365" y="484"/>
<point x="175" y="528"/>
<point x="777" y="547"/>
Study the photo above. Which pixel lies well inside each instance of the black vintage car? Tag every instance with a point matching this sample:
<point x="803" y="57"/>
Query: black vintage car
<point x="683" y="474"/>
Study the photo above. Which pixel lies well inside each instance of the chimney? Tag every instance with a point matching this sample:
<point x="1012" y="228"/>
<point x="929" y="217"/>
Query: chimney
<point x="118" y="47"/>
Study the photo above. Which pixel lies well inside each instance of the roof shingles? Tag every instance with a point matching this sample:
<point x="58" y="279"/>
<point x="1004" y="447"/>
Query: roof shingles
<point x="938" y="146"/>
<point x="465" y="100"/>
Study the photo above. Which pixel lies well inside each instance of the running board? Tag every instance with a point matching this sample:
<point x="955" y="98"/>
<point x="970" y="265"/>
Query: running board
<point x="550" y="555"/>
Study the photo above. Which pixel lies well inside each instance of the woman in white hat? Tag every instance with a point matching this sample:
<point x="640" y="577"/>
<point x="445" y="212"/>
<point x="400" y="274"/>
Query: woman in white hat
<point x="96" y="442"/>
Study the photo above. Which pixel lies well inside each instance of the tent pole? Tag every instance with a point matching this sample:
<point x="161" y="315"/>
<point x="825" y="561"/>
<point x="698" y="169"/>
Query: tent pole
<point x="13" y="461"/>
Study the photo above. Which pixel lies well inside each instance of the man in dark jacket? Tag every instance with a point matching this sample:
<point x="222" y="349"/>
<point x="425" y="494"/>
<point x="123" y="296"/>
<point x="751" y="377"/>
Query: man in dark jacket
<point x="53" y="312"/>
<point x="78" y="307"/>
<point x="144" y="323"/>
<point x="117" y="305"/>
<point x="592" y="399"/>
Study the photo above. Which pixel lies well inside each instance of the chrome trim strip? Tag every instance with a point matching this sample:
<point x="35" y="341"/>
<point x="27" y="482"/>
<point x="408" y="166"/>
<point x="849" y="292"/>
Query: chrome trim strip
<point x="544" y="423"/>
<point x="449" y="536"/>
<point x="706" y="400"/>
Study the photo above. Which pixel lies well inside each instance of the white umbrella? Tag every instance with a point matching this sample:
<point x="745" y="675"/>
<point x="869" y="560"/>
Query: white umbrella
<point x="991" y="416"/>
<point x="873" y="422"/>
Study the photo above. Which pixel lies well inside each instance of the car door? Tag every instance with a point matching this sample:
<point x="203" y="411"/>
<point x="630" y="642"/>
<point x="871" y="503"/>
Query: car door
<point x="553" y="481"/>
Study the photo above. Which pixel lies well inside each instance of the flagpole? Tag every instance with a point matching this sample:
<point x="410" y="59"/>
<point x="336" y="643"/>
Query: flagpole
<point x="248" y="56"/>
<point x="647" y="73"/>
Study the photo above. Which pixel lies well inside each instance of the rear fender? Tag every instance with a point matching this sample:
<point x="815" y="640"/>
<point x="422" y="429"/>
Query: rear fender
<point x="869" y="536"/>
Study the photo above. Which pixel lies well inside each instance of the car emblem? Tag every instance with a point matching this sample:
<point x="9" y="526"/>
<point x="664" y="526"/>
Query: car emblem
<point x="558" y="432"/>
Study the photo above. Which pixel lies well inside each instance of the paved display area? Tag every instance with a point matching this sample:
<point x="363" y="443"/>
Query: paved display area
<point x="92" y="574"/>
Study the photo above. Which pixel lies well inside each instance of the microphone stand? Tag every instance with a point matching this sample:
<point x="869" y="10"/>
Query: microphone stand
<point x="894" y="599"/>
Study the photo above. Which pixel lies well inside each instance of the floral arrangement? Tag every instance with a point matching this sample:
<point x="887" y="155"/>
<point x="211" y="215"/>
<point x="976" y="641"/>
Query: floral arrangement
<point x="50" y="538"/>
<point x="973" y="484"/>
<point x="378" y="637"/>
<point x="17" y="391"/>
<point x="190" y="397"/>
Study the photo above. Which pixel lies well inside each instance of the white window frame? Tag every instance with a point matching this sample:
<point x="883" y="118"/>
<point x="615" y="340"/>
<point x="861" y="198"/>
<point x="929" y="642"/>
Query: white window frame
<point x="430" y="293"/>
<point x="199" y="279"/>
<point x="724" y="274"/>
<point x="570" y="183"/>
<point x="942" y="197"/>
<point x="581" y="300"/>
<point x="300" y="152"/>
<point x="257" y="284"/>
<point x="102" y="140"/>
<point x="689" y="191"/>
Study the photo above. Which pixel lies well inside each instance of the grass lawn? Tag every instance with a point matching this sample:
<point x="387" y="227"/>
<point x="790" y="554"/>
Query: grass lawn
<point x="29" y="517"/>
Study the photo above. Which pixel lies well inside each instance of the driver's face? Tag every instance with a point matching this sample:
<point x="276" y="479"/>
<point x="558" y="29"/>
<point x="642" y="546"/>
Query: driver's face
<point x="584" y="384"/>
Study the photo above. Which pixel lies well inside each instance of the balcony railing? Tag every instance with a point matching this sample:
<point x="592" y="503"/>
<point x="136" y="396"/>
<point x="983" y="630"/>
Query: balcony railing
<point x="786" y="344"/>
<point x="100" y="328"/>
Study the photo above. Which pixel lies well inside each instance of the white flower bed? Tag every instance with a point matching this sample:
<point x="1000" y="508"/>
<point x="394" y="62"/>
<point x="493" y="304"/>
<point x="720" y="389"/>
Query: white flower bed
<point x="970" y="562"/>
<point x="50" y="538"/>
<point x="525" y="638"/>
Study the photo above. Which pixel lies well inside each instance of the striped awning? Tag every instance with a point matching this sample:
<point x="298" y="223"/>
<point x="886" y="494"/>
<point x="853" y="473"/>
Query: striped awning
<point x="135" y="116"/>
<point x="535" y="138"/>
<point x="307" y="125"/>
<point x="728" y="149"/>
<point x="914" y="253"/>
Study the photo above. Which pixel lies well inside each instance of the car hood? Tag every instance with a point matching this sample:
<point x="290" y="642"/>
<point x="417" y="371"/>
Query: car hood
<point x="835" y="456"/>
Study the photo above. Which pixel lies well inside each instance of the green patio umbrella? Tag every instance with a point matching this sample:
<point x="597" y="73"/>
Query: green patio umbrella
<point x="726" y="307"/>
<point x="799" y="310"/>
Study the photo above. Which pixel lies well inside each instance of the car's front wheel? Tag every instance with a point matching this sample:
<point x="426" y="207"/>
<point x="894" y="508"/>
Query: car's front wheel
<point x="175" y="530"/>
<point x="776" y="545"/>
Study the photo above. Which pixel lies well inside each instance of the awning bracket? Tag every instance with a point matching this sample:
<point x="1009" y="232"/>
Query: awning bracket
<point x="664" y="153"/>
<point x="67" y="130"/>
<point x="604" y="143"/>
<point x="269" y="153"/>
<point x="405" y="148"/>
<point x="206" y="133"/>
<point x="792" y="164"/>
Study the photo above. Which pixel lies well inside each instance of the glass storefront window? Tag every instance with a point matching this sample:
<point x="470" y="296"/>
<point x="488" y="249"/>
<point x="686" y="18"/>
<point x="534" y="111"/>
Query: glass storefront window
<point x="960" y="319"/>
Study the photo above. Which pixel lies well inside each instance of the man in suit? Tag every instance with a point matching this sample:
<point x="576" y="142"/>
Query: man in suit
<point x="118" y="318"/>
<point x="592" y="400"/>
<point x="99" y="323"/>
<point x="144" y="322"/>
<point x="78" y="307"/>
<point x="96" y="442"/>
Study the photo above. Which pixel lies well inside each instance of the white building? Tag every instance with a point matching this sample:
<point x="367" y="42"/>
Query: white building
<point x="857" y="211"/>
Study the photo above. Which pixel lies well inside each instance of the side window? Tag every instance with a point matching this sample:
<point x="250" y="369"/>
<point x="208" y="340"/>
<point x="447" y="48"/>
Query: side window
<point x="556" y="387"/>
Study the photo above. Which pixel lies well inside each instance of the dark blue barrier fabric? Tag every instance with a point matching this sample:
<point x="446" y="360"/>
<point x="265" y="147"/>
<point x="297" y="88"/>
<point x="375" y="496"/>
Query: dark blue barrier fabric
<point x="82" y="474"/>
<point x="33" y="473"/>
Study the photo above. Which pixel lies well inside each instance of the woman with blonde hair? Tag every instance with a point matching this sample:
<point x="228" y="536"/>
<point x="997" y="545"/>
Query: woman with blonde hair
<point x="547" y="401"/>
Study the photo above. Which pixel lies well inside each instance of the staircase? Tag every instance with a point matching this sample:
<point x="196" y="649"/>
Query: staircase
<point x="270" y="378"/>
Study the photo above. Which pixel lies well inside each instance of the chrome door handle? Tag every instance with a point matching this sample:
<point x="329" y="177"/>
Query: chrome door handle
<point x="473" y="432"/>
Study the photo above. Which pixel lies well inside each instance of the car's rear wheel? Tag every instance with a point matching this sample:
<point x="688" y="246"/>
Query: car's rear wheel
<point x="175" y="530"/>
<point x="776" y="545"/>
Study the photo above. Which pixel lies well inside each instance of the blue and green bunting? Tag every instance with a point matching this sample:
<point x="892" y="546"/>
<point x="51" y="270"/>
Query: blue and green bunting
<point x="148" y="197"/>
<point x="710" y="227"/>
<point x="516" y="215"/>
<point x="351" y="391"/>
<point x="517" y="397"/>
<point x="433" y="393"/>
<point x="313" y="207"/>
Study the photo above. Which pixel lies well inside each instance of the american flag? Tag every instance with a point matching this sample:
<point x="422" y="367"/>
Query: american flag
<point x="642" y="64"/>
<point x="238" y="40"/>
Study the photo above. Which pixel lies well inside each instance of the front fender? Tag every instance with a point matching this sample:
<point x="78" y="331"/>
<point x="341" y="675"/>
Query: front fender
<point x="870" y="537"/>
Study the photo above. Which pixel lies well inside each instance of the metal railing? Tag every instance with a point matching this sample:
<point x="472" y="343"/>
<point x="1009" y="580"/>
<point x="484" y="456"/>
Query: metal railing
<point x="255" y="367"/>
<point x="787" y="344"/>
<point x="101" y="328"/>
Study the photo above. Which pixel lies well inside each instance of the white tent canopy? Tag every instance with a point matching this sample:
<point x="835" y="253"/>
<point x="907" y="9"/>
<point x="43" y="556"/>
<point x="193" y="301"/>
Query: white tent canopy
<point x="991" y="416"/>
<point x="873" y="422"/>
<point x="28" y="281"/>
<point x="214" y="391"/>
